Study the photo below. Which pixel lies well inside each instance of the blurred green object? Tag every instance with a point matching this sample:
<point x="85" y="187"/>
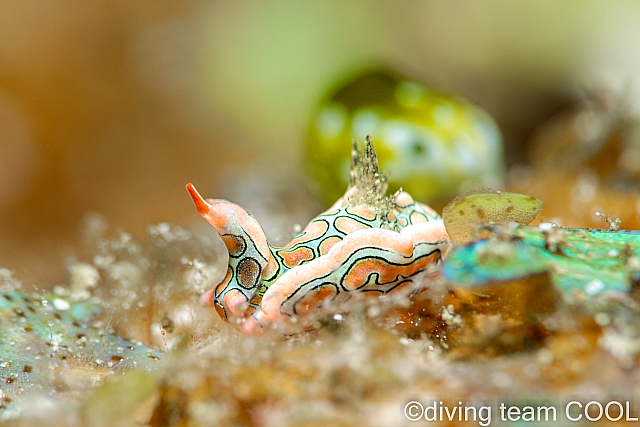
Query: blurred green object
<point x="435" y="146"/>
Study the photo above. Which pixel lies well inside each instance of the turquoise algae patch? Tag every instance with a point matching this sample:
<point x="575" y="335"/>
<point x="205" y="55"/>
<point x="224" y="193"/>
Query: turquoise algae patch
<point x="47" y="340"/>
<point x="593" y="261"/>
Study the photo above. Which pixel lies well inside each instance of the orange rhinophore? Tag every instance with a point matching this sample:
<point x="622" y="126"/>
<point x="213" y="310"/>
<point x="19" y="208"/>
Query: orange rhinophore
<point x="365" y="242"/>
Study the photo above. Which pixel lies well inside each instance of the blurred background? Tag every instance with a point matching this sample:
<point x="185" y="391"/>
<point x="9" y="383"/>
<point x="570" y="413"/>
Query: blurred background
<point x="112" y="106"/>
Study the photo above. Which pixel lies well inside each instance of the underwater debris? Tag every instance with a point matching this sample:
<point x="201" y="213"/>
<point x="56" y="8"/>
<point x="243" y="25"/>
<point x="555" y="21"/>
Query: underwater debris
<point x="365" y="243"/>
<point x="127" y="297"/>
<point x="613" y="224"/>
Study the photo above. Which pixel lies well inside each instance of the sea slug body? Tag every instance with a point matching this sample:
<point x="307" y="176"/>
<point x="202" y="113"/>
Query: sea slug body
<point x="365" y="243"/>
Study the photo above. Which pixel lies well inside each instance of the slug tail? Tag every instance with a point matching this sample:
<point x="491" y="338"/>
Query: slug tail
<point x="201" y="204"/>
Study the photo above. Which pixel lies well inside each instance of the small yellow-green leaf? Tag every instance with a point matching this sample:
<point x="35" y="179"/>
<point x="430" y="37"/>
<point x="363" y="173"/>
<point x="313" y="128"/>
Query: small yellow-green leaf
<point x="487" y="207"/>
<point x="118" y="398"/>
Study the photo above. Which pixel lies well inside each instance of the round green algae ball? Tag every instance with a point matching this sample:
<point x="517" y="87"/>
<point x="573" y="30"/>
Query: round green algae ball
<point x="435" y="146"/>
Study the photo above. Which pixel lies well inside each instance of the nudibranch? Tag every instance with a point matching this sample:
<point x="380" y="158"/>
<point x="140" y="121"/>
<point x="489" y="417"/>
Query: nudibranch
<point x="365" y="244"/>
